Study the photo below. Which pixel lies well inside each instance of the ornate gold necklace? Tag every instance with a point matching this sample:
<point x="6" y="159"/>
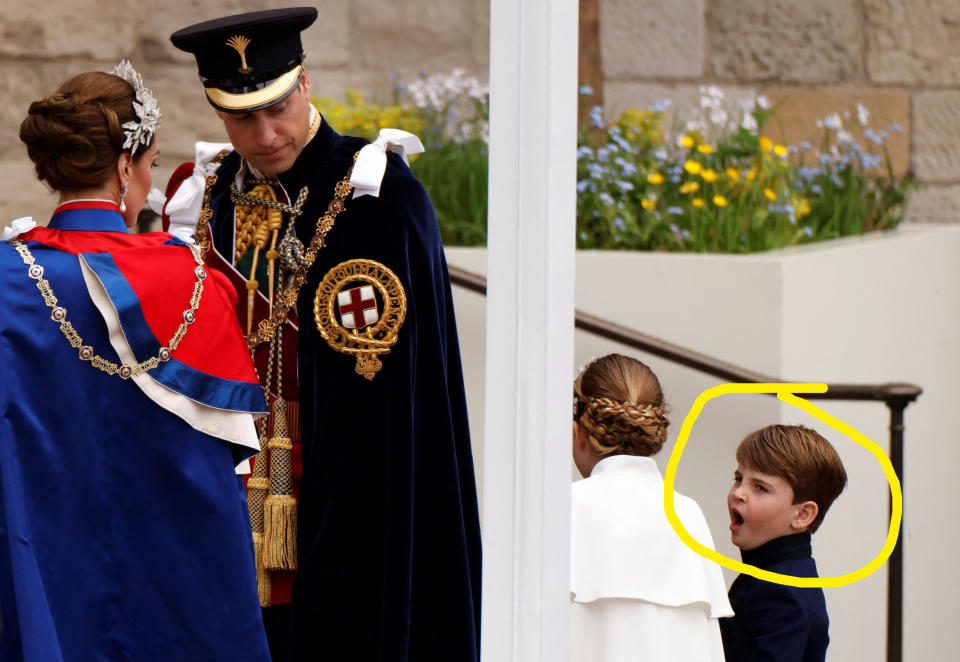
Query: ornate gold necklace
<point x="87" y="353"/>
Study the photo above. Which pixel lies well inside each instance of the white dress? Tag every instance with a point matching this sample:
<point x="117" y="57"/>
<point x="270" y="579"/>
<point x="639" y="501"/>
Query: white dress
<point x="637" y="591"/>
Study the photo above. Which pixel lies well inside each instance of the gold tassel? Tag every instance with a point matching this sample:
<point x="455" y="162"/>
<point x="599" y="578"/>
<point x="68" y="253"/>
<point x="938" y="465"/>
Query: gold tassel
<point x="263" y="575"/>
<point x="280" y="519"/>
<point x="280" y="507"/>
<point x="257" y="487"/>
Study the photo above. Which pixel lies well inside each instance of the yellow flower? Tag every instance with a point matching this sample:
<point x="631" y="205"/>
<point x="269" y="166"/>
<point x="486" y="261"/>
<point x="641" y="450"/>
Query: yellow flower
<point x="770" y="195"/>
<point x="647" y="203"/>
<point x="655" y="178"/>
<point x="719" y="201"/>
<point x="751" y="174"/>
<point x="802" y="207"/>
<point x="709" y="175"/>
<point x="689" y="187"/>
<point x="765" y="144"/>
<point x="687" y="142"/>
<point x="733" y="174"/>
<point x="692" y="167"/>
<point x="698" y="202"/>
<point x="705" y="149"/>
<point x="780" y="150"/>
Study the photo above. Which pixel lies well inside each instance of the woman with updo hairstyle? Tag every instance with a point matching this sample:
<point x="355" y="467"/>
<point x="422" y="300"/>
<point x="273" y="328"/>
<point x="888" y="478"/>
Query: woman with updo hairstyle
<point x="637" y="592"/>
<point x="127" y="407"/>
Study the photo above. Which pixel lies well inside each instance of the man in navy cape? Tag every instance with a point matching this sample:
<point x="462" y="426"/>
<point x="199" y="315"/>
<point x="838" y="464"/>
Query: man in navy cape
<point x="388" y="538"/>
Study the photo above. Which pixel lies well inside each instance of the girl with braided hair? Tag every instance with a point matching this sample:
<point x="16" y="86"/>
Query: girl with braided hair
<point x="637" y="591"/>
<point x="127" y="400"/>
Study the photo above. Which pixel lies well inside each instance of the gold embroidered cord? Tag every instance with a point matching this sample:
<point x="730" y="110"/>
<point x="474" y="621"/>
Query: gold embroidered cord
<point x="87" y="353"/>
<point x="280" y="507"/>
<point x="288" y="296"/>
<point x="201" y="235"/>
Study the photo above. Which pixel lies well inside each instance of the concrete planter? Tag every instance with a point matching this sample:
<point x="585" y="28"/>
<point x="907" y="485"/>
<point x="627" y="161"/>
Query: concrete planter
<point x="876" y="309"/>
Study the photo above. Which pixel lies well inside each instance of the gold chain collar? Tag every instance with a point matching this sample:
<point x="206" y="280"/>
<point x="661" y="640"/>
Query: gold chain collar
<point x="87" y="353"/>
<point x="288" y="296"/>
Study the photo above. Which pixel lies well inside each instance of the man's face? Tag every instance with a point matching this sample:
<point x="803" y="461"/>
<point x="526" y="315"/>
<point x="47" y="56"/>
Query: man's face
<point x="271" y="139"/>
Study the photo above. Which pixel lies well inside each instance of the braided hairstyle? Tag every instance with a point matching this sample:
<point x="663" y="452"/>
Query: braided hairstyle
<point x="618" y="400"/>
<point x="74" y="136"/>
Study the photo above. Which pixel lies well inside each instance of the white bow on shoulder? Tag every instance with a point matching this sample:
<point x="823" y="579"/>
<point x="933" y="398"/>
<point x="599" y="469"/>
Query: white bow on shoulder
<point x="183" y="207"/>
<point x="17" y="227"/>
<point x="372" y="160"/>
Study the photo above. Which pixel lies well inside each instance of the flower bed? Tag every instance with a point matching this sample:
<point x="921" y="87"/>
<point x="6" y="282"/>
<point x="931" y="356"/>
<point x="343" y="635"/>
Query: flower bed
<point x="715" y="183"/>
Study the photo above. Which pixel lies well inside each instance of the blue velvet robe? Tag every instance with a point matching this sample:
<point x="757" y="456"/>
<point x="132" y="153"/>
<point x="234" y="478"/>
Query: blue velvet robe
<point x="772" y="622"/>
<point x="123" y="531"/>
<point x="388" y="526"/>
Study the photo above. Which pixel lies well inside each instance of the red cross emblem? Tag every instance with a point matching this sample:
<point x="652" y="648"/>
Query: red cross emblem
<point x="358" y="307"/>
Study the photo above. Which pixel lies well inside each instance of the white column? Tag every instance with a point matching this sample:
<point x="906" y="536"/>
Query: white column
<point x="526" y="504"/>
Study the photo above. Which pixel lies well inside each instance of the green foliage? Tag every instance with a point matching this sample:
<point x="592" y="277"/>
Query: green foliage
<point x="449" y="113"/>
<point x="720" y="185"/>
<point x="714" y="184"/>
<point x="455" y="177"/>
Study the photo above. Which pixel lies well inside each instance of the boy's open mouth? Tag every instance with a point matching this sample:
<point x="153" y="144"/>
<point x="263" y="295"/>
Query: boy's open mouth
<point x="736" y="520"/>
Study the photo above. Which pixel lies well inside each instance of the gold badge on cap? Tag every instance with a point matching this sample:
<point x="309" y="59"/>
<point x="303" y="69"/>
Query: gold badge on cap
<point x="239" y="43"/>
<point x="346" y="311"/>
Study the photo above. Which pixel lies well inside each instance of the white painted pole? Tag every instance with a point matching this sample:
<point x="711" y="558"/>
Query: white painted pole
<point x="526" y="505"/>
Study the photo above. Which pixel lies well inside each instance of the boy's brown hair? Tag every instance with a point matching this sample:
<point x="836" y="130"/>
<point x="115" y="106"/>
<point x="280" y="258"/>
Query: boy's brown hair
<point x="800" y="456"/>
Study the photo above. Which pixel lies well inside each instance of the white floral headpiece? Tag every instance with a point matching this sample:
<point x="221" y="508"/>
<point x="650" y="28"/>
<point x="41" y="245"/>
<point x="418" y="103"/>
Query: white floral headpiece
<point x="145" y="106"/>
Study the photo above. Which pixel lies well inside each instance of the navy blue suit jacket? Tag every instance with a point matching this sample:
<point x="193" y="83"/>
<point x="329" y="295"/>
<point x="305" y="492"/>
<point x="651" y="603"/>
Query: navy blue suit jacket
<point x="775" y="623"/>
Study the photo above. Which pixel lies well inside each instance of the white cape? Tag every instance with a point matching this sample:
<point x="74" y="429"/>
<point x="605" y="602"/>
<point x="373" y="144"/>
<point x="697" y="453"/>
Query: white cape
<point x="637" y="592"/>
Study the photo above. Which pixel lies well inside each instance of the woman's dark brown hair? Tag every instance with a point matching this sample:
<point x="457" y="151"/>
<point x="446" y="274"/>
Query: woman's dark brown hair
<point x="74" y="136"/>
<point x="620" y="403"/>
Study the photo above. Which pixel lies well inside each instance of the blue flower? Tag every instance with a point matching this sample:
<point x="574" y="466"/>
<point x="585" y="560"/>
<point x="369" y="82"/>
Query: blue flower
<point x="674" y="211"/>
<point x="584" y="152"/>
<point x="606" y="199"/>
<point x="619" y="224"/>
<point x="872" y="136"/>
<point x="596" y="117"/>
<point x="603" y="154"/>
<point x="584" y="185"/>
<point x="895" y="127"/>
<point x="816" y="190"/>
<point x="805" y="145"/>
<point x="660" y="155"/>
<point x="661" y="105"/>
<point x="868" y="161"/>
<point x="624" y="186"/>
<point x="586" y="90"/>
<point x="808" y="172"/>
<point x="825" y="159"/>
<point x="807" y="230"/>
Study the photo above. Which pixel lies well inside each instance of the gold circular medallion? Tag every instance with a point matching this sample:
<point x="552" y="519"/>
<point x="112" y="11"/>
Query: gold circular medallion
<point x="347" y="311"/>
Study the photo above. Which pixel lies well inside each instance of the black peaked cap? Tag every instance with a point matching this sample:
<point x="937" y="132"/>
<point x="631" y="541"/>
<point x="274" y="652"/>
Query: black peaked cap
<point x="248" y="61"/>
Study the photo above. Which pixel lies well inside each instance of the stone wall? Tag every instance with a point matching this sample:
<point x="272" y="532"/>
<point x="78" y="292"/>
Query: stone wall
<point x="354" y="43"/>
<point x="899" y="58"/>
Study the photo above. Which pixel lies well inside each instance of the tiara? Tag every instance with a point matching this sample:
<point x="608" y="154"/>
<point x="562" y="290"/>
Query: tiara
<point x="145" y="106"/>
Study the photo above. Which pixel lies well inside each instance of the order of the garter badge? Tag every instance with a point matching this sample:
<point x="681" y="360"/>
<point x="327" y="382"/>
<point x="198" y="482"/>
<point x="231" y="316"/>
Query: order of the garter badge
<point x="347" y="309"/>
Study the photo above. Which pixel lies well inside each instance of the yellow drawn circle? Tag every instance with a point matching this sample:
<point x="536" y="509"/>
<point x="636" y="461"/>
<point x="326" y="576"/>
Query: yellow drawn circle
<point x="784" y="392"/>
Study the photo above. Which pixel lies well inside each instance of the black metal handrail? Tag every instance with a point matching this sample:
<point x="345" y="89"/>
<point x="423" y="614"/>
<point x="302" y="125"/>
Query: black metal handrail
<point x="895" y="395"/>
